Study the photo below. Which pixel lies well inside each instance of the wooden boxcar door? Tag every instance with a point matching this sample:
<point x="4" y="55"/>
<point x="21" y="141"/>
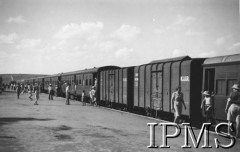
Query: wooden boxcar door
<point x="111" y="88"/>
<point x="156" y="96"/>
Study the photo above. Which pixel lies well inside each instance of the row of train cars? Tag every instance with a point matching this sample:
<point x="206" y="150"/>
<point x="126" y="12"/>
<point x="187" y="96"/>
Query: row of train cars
<point x="147" y="89"/>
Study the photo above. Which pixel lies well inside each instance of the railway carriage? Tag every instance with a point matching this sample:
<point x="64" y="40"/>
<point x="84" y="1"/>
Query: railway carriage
<point x="30" y="81"/>
<point x="83" y="80"/>
<point x="40" y="82"/>
<point x="51" y="79"/>
<point x="219" y="75"/>
<point x="79" y="81"/>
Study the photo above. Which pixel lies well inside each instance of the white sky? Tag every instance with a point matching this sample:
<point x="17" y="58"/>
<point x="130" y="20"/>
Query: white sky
<point x="53" y="36"/>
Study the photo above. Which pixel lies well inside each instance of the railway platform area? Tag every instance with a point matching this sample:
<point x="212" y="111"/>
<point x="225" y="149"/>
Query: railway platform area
<point x="53" y="126"/>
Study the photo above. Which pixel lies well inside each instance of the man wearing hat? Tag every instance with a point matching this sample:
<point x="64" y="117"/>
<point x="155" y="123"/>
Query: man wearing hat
<point x="233" y="109"/>
<point x="207" y="106"/>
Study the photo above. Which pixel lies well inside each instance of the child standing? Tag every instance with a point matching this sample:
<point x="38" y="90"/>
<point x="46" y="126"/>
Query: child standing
<point x="207" y="106"/>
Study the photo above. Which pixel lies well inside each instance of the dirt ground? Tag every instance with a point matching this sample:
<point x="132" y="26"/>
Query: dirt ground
<point x="53" y="126"/>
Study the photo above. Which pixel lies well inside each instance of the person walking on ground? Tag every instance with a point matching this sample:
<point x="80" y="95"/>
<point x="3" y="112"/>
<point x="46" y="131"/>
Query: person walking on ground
<point x="83" y="98"/>
<point x="30" y="92"/>
<point x="177" y="102"/>
<point x="18" y="90"/>
<point x="37" y="92"/>
<point x="207" y="106"/>
<point x="67" y="94"/>
<point x="233" y="110"/>
<point x="50" y="92"/>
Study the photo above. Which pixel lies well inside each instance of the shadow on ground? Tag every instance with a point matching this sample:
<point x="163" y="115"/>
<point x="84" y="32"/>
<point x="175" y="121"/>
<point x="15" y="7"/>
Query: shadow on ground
<point x="6" y="120"/>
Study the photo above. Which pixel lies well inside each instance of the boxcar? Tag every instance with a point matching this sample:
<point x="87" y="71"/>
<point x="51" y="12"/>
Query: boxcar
<point x="116" y="88"/>
<point x="219" y="75"/>
<point x="155" y="82"/>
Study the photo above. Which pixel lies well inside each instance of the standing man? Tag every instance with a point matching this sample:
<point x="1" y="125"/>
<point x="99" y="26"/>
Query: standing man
<point x="50" y="91"/>
<point x="233" y="109"/>
<point x="18" y="90"/>
<point x="67" y="94"/>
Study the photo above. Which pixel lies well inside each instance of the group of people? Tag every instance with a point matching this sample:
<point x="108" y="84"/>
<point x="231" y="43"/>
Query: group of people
<point x="36" y="89"/>
<point x="232" y="107"/>
<point x="30" y="89"/>
<point x="92" y="94"/>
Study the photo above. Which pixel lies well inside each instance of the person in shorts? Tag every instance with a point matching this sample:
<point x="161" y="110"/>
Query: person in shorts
<point x="207" y="106"/>
<point x="233" y="109"/>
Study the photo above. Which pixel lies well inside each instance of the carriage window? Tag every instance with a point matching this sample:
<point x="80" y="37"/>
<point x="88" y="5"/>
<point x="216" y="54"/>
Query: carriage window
<point x="221" y="87"/>
<point x="90" y="82"/>
<point x="229" y="85"/>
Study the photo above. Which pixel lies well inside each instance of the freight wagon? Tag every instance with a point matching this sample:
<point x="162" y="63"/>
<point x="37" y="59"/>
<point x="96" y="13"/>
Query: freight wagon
<point x="147" y="89"/>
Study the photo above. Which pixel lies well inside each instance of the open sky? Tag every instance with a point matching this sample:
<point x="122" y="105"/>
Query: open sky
<point x="54" y="36"/>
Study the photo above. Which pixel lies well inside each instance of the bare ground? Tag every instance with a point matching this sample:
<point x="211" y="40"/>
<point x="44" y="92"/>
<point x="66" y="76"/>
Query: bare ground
<point x="53" y="126"/>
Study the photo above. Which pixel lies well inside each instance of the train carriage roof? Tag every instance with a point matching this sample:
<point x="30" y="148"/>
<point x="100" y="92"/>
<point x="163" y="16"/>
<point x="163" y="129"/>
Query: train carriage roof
<point x="91" y="70"/>
<point x="50" y="76"/>
<point x="222" y="59"/>
<point x="81" y="71"/>
<point x="171" y="59"/>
